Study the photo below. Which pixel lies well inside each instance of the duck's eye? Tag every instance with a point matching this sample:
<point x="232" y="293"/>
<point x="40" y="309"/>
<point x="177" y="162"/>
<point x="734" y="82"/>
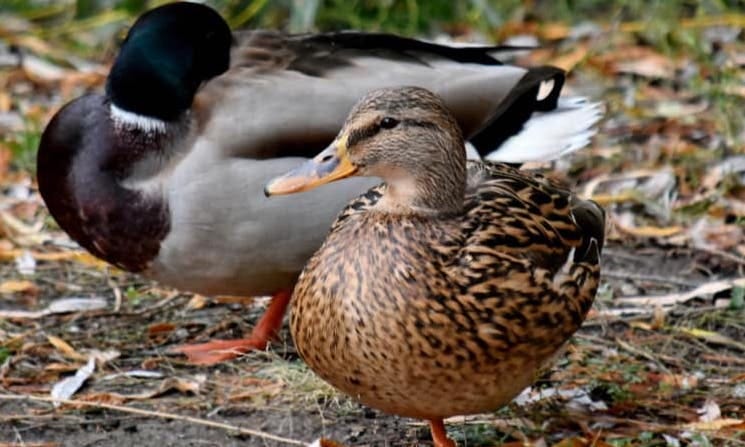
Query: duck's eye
<point x="388" y="123"/>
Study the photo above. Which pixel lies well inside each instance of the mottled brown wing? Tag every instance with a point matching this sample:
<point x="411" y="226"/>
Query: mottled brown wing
<point x="515" y="265"/>
<point x="527" y="216"/>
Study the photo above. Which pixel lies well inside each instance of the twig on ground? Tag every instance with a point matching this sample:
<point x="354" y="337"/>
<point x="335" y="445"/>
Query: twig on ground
<point x="722" y="254"/>
<point x="642" y="353"/>
<point x="29" y="444"/>
<point x="650" y="278"/>
<point x="157" y="414"/>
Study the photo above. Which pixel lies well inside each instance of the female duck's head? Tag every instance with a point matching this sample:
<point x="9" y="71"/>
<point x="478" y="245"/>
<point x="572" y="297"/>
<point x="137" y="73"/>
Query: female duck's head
<point x="407" y="137"/>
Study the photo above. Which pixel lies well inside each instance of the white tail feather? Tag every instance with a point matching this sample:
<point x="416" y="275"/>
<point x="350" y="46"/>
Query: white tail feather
<point x="550" y="135"/>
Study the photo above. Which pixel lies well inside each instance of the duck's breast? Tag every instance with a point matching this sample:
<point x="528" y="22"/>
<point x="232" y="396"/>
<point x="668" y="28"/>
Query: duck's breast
<point x="375" y="315"/>
<point x="227" y="238"/>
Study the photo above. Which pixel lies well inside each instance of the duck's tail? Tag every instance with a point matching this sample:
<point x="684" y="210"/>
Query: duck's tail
<point x="534" y="124"/>
<point x="579" y="286"/>
<point x="549" y="135"/>
<point x="590" y="218"/>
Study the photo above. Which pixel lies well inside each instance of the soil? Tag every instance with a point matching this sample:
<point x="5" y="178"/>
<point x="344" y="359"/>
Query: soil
<point x="279" y="407"/>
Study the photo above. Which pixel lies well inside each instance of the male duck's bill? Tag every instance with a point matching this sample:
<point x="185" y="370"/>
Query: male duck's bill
<point x="329" y="165"/>
<point x="163" y="173"/>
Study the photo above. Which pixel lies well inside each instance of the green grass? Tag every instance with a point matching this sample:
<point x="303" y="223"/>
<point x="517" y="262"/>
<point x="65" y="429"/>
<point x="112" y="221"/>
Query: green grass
<point x="4" y="354"/>
<point x="23" y="146"/>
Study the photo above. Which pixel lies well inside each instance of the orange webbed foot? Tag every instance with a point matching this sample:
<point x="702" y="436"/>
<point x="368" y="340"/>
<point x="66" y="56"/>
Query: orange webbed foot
<point x="218" y="351"/>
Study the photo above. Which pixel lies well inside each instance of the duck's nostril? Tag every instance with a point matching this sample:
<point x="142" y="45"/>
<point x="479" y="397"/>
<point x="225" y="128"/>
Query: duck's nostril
<point x="326" y="158"/>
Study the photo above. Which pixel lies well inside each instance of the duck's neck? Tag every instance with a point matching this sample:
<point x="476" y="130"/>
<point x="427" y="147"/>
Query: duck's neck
<point x="143" y="146"/>
<point x="87" y="156"/>
<point x="437" y="188"/>
<point x="127" y="121"/>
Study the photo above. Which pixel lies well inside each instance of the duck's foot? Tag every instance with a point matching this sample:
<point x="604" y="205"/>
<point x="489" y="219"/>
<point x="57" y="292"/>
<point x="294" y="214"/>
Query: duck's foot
<point x="266" y="329"/>
<point x="439" y="435"/>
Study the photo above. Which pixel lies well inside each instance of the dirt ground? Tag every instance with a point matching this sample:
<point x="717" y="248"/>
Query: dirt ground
<point x="274" y="393"/>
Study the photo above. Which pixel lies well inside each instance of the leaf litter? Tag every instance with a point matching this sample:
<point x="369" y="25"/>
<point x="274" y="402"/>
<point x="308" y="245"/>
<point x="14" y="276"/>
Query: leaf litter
<point x="659" y="361"/>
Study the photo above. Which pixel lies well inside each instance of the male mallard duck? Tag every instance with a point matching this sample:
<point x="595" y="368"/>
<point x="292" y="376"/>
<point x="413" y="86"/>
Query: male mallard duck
<point x="163" y="174"/>
<point x="462" y="277"/>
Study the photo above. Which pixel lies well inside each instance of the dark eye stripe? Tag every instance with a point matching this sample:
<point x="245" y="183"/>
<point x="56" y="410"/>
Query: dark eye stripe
<point x="363" y="133"/>
<point x="420" y="123"/>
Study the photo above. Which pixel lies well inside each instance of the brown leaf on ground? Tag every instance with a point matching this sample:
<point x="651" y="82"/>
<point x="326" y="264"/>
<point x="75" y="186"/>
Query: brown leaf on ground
<point x="582" y="442"/>
<point x="571" y="59"/>
<point x="65" y="348"/>
<point x="648" y="230"/>
<point x="719" y="424"/>
<point x="640" y="61"/>
<point x="18" y="286"/>
<point x="323" y="442"/>
<point x="160" y="329"/>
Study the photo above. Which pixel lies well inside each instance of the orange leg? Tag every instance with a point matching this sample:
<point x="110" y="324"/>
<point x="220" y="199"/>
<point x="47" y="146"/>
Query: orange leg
<point x="439" y="435"/>
<point x="266" y="329"/>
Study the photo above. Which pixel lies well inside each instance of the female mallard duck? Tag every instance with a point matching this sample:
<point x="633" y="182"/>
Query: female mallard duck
<point x="463" y="277"/>
<point x="163" y="173"/>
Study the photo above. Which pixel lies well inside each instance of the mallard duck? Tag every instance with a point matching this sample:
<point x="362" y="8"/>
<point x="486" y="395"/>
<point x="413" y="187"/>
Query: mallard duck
<point x="442" y="291"/>
<point x="163" y="173"/>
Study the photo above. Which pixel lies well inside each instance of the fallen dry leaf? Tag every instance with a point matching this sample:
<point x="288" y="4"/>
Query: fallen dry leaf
<point x="25" y="264"/>
<point x="242" y="300"/>
<point x="678" y="381"/>
<point x="79" y="256"/>
<point x="60" y="306"/>
<point x="702" y="291"/>
<point x="16" y="286"/>
<point x="192" y="385"/>
<point x="649" y="231"/>
<point x="67" y="387"/>
<point x="323" y="442"/>
<point x="5" y="102"/>
<point x="160" y="329"/>
<point x="65" y="348"/>
<point x="581" y="442"/>
<point x="135" y="373"/>
<point x="569" y="60"/>
<point x="712" y="337"/>
<point x="104" y="398"/>
<point x="60" y="367"/>
<point x="196" y="302"/>
<point x="709" y="412"/>
<point x="718" y="424"/>
<point x="648" y="65"/>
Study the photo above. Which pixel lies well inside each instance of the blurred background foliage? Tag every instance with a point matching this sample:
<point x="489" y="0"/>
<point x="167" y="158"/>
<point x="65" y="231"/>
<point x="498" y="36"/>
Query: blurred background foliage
<point x="482" y="20"/>
<point x="687" y="34"/>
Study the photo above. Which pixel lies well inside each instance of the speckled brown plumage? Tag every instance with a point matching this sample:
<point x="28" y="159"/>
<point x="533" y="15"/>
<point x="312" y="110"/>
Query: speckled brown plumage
<point x="393" y="307"/>
<point x="434" y="311"/>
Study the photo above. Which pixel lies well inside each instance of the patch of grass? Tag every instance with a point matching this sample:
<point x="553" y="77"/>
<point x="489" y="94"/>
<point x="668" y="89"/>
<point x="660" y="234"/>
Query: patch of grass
<point x="23" y="146"/>
<point x="645" y="439"/>
<point x="477" y="435"/>
<point x="4" y="354"/>
<point x="303" y="386"/>
<point x="737" y="302"/>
